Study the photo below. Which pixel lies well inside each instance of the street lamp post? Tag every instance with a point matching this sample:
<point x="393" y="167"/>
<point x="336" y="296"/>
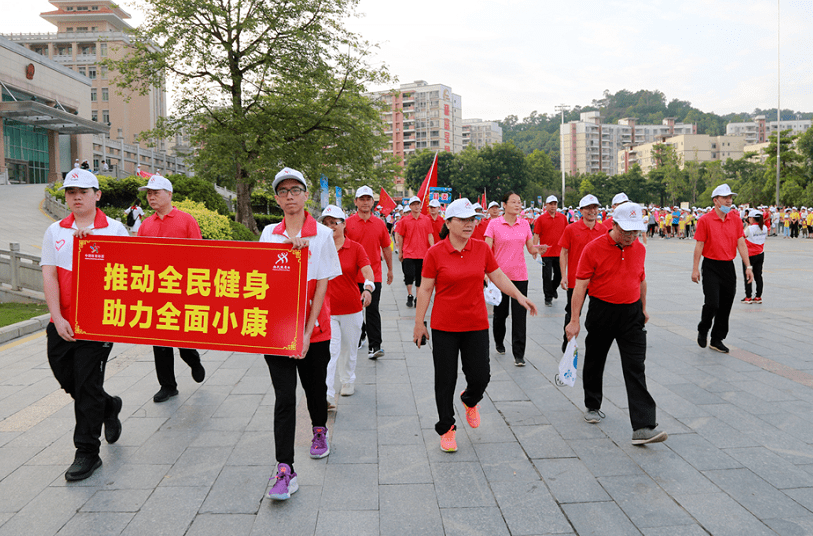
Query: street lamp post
<point x="778" y="104"/>
<point x="561" y="108"/>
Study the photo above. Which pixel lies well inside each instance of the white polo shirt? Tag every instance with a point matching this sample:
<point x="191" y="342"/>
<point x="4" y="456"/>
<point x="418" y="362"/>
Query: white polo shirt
<point x="57" y="250"/>
<point x="323" y="263"/>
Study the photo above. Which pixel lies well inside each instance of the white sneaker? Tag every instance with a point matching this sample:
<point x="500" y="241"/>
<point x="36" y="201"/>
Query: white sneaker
<point x="347" y="389"/>
<point x="331" y="402"/>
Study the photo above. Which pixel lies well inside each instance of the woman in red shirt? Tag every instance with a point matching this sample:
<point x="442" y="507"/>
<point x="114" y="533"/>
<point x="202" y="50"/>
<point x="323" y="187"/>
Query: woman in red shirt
<point x="455" y="269"/>
<point x="345" y="305"/>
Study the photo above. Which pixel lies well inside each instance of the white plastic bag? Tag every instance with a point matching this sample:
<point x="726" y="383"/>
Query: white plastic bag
<point x="492" y="294"/>
<point x="568" y="364"/>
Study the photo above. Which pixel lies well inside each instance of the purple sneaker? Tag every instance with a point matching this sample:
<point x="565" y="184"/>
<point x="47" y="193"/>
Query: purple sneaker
<point x="319" y="447"/>
<point x="285" y="484"/>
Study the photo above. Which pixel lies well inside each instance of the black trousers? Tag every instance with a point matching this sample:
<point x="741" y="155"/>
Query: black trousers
<point x="518" y="319"/>
<point x="623" y="323"/>
<point x="551" y="277"/>
<point x="412" y="271"/>
<point x="567" y="317"/>
<point x="165" y="363"/>
<point x="719" y="289"/>
<point x="312" y="371"/>
<point x="79" y="368"/>
<point x="472" y="346"/>
<point x="756" y="265"/>
<point x="372" y="323"/>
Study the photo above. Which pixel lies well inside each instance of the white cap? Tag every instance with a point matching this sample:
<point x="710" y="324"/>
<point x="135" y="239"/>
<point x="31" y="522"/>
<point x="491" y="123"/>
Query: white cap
<point x="588" y="200"/>
<point x="551" y="199"/>
<point x="80" y="178"/>
<point x="755" y="213"/>
<point x="477" y="206"/>
<point x="460" y="208"/>
<point x="493" y="204"/>
<point x="434" y="203"/>
<point x="628" y="217"/>
<point x="157" y="182"/>
<point x="620" y="198"/>
<point x="288" y="173"/>
<point x="414" y="199"/>
<point x="722" y="190"/>
<point x="333" y="211"/>
<point x="364" y="190"/>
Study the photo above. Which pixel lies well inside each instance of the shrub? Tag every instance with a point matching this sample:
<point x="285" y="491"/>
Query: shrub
<point x="213" y="226"/>
<point x="266" y="219"/>
<point x="241" y="232"/>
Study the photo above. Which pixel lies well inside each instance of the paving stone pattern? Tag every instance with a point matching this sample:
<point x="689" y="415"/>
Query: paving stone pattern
<point x="738" y="461"/>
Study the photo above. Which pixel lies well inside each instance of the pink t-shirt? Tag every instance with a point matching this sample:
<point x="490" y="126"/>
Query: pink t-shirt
<point x="509" y="246"/>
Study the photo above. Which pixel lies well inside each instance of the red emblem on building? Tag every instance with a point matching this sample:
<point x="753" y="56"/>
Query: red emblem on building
<point x="29" y="71"/>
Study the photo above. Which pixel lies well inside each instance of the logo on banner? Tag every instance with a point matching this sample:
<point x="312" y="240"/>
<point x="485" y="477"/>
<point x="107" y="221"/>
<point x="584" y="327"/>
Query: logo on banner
<point x="94" y="254"/>
<point x="281" y="264"/>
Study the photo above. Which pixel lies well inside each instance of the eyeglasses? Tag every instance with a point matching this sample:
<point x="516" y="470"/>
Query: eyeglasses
<point x="628" y="234"/>
<point x="473" y="219"/>
<point x="295" y="191"/>
<point x="332" y="222"/>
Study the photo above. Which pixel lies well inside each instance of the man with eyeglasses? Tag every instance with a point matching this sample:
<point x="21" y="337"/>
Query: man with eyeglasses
<point x="372" y="234"/>
<point x="573" y="240"/>
<point x="301" y="230"/>
<point x="612" y="269"/>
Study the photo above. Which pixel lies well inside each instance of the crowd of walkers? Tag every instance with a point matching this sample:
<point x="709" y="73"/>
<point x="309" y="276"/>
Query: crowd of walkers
<point x="595" y="255"/>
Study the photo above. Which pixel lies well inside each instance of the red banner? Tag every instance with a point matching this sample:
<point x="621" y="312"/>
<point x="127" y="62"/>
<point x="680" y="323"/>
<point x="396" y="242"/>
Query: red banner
<point x="207" y="294"/>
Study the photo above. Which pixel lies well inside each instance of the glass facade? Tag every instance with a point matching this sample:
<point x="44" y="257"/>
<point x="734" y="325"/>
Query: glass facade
<point x="26" y="149"/>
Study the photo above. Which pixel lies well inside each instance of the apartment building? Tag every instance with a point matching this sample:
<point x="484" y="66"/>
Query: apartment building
<point x="759" y="130"/>
<point x="688" y="148"/>
<point x="481" y="133"/>
<point x="88" y="31"/>
<point x="589" y="146"/>
<point x="421" y="116"/>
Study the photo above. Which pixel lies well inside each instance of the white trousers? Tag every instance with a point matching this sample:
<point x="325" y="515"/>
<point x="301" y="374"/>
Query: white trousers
<point x="345" y="331"/>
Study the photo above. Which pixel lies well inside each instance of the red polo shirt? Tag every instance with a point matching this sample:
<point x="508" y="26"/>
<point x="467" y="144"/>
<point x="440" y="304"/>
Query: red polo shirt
<point x="372" y="235"/>
<point x="459" y="301"/>
<point x="437" y="224"/>
<point x="719" y="237"/>
<point x="550" y="230"/>
<point x="615" y="274"/>
<point x="176" y="224"/>
<point x="479" y="232"/>
<point x="576" y="236"/>
<point x="344" y="292"/>
<point x="416" y="233"/>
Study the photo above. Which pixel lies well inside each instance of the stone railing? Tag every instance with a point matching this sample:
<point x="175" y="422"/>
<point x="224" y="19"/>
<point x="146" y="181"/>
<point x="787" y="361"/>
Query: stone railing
<point x="20" y="271"/>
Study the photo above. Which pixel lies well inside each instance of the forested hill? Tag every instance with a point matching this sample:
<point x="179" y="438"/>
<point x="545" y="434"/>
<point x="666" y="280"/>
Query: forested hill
<point x="541" y="131"/>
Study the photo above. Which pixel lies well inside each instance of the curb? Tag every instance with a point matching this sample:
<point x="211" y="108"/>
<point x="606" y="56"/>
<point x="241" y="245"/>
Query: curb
<point x="25" y="327"/>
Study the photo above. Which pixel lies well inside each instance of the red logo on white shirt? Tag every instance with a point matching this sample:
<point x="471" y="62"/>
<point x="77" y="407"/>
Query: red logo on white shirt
<point x="59" y="244"/>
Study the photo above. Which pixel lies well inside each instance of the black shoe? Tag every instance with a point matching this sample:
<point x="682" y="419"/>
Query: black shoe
<point x="82" y="467"/>
<point x="719" y="346"/>
<point x="702" y="339"/>
<point x="548" y="303"/>
<point x="519" y="361"/>
<point x="501" y="350"/>
<point x="410" y="301"/>
<point x="164" y="394"/>
<point x="362" y="339"/>
<point x="198" y="373"/>
<point x="112" y="424"/>
<point x="375" y="353"/>
<point x="555" y="294"/>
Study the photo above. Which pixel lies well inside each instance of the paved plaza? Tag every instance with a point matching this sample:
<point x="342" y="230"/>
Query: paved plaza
<point x="738" y="461"/>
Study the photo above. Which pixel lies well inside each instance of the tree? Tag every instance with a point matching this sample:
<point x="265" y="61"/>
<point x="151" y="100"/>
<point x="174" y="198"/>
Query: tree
<point x="262" y="84"/>
<point x="791" y="170"/>
<point x="418" y="166"/>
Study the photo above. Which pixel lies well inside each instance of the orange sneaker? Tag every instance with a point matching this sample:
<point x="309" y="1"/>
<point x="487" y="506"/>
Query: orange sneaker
<point x="472" y="414"/>
<point x="447" y="441"/>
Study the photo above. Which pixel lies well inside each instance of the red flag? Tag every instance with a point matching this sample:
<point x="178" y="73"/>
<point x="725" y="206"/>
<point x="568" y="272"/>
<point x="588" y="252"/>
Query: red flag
<point x="483" y="199"/>
<point x="143" y="174"/>
<point x="386" y="202"/>
<point x="431" y="181"/>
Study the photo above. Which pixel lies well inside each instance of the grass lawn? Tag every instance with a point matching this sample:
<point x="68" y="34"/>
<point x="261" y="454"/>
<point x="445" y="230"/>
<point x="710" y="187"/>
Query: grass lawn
<point x="11" y="313"/>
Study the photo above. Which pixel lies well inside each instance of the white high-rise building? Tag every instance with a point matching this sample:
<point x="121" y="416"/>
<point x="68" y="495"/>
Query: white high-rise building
<point x="588" y="146"/>
<point x="481" y="133"/>
<point x="759" y="130"/>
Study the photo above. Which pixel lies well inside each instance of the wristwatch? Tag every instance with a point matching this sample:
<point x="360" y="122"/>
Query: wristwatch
<point x="749" y="267"/>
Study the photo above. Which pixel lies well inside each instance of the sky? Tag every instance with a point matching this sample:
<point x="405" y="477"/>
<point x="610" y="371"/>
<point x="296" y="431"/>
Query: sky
<point x="511" y="57"/>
